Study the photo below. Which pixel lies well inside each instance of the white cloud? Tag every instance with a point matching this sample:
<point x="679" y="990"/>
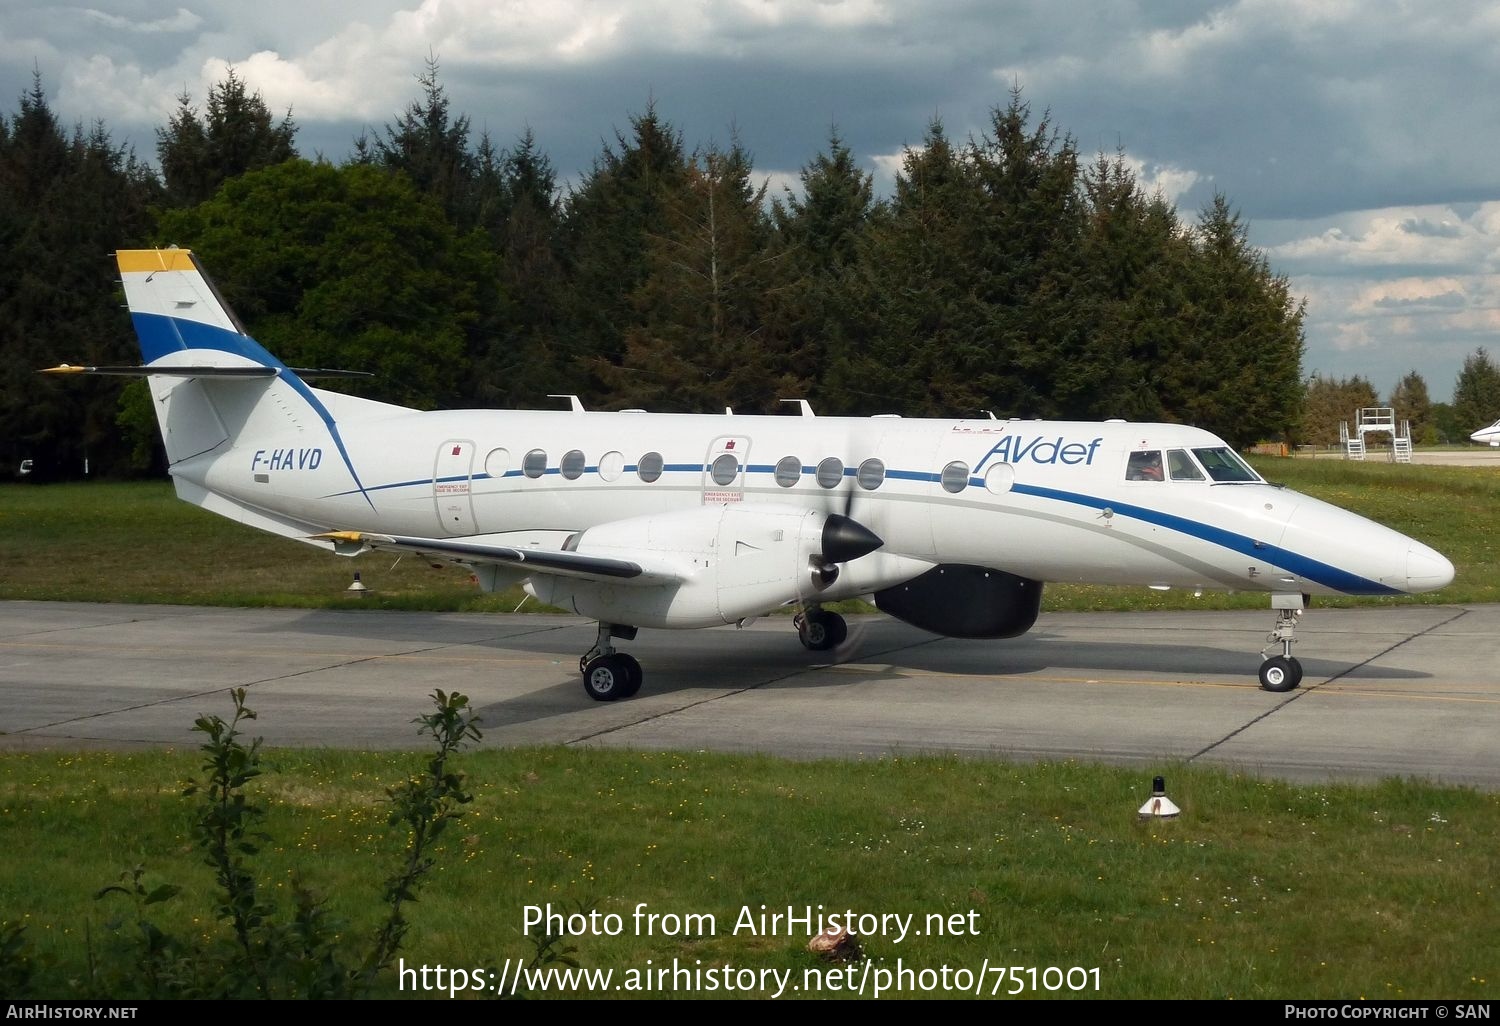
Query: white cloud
<point x="118" y="93"/>
<point x="780" y="183"/>
<point x="1171" y="182"/>
<point x="1426" y="236"/>
<point x="887" y="167"/>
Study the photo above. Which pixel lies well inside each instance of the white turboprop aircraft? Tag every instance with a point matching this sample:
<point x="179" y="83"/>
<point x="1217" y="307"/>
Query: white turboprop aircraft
<point x="667" y="520"/>
<point x="1489" y="434"/>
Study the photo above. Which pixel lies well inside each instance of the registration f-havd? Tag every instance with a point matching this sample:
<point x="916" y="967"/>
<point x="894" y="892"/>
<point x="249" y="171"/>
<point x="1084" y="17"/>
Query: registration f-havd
<point x="637" y="519"/>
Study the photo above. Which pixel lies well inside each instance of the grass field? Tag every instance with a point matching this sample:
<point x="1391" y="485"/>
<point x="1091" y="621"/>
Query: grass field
<point x="134" y="542"/>
<point x="1260" y="890"/>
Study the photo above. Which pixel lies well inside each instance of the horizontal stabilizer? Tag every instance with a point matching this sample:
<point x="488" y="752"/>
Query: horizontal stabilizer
<point x="207" y="372"/>
<point x="548" y="561"/>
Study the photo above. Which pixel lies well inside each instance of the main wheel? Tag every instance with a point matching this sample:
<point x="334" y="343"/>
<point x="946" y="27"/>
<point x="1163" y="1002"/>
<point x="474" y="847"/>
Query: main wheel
<point x="820" y="630"/>
<point x="1280" y="673"/>
<point x="633" y="675"/>
<point x="607" y="678"/>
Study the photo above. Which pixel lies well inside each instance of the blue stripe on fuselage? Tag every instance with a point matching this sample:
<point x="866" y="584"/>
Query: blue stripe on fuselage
<point x="1303" y="566"/>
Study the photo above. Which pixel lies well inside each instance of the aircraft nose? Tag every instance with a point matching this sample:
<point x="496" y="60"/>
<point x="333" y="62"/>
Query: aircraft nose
<point x="1426" y="568"/>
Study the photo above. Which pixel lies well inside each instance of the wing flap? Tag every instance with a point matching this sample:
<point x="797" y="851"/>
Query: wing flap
<point x="546" y="561"/>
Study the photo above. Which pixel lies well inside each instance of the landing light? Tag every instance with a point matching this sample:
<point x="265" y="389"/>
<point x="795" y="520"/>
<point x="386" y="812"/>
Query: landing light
<point x="1159" y="805"/>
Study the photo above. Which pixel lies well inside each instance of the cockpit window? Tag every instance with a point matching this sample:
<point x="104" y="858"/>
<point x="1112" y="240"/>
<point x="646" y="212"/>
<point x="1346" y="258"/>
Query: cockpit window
<point x="1144" y="466"/>
<point x="1181" y="466"/>
<point x="1223" y="464"/>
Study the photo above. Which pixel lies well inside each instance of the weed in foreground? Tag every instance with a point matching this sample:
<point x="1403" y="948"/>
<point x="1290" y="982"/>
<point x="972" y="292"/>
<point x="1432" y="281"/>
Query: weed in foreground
<point x="265" y="953"/>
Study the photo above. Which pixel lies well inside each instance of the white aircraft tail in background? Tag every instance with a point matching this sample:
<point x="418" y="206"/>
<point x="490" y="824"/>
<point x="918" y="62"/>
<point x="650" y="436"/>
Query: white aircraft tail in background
<point x="673" y="520"/>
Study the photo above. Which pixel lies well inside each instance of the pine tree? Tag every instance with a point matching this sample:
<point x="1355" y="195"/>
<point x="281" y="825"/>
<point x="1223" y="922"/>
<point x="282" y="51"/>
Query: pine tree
<point x="608" y="222"/>
<point x="237" y="134"/>
<point x="915" y="322"/>
<point x="1240" y="362"/>
<point x="1133" y="256"/>
<point x="704" y="339"/>
<point x="66" y="202"/>
<point x="1412" y="404"/>
<point x="1476" y="393"/>
<point x="822" y="233"/>
<point x="431" y="147"/>
<point x="527" y="358"/>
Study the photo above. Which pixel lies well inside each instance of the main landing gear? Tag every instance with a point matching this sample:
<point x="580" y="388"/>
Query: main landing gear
<point x="820" y="630"/>
<point x="608" y="674"/>
<point x="1282" y="672"/>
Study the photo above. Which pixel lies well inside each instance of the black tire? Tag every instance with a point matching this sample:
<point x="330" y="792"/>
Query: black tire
<point x="606" y="678"/>
<point x="820" y="631"/>
<point x="1279" y="674"/>
<point x="838" y="630"/>
<point x="633" y="675"/>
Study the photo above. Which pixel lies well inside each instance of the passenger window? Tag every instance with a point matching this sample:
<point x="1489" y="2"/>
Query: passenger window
<point x="535" y="463"/>
<point x="955" y="477"/>
<point x="1144" y="466"/>
<point x="497" y="463"/>
<point x="725" y="469"/>
<point x="1181" y="466"/>
<point x="649" y="467"/>
<point x="788" y="471"/>
<point x="871" y="474"/>
<point x="830" y="472"/>
<point x="572" y="465"/>
<point x="610" y="465"/>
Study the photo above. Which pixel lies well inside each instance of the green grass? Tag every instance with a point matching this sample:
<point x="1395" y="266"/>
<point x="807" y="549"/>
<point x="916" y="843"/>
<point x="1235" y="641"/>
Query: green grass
<point x="135" y="542"/>
<point x="1260" y="890"/>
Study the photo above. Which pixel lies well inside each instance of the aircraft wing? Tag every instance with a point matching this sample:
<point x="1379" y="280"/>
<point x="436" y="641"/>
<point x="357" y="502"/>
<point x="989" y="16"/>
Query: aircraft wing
<point x="546" y="561"/>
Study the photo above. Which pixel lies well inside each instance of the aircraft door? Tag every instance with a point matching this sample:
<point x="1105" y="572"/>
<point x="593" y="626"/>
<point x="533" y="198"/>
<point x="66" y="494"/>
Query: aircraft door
<point x="724" y="470"/>
<point x="451" y="491"/>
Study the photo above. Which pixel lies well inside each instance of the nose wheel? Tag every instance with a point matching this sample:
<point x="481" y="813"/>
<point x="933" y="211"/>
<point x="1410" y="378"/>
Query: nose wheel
<point x="1282" y="672"/>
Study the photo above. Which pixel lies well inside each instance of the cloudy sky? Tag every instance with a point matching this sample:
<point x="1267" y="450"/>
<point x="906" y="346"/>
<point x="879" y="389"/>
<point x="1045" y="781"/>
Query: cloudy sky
<point x="1358" y="139"/>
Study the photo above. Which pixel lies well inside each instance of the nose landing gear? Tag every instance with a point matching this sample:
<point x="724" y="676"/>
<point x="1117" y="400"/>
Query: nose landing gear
<point x="1282" y="672"/>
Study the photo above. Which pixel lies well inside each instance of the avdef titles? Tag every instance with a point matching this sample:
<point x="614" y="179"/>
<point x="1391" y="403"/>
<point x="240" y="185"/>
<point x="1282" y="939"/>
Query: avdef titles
<point x="1043" y="450"/>
<point x="750" y="921"/>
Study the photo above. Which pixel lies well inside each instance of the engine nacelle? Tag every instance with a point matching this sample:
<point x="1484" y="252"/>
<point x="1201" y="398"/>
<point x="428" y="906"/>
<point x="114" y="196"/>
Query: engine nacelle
<point x="734" y="561"/>
<point x="962" y="601"/>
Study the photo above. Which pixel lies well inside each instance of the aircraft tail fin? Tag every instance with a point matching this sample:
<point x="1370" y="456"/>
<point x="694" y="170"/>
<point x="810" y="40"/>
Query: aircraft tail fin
<point x="209" y="380"/>
<point x="176" y="309"/>
<point x="212" y="384"/>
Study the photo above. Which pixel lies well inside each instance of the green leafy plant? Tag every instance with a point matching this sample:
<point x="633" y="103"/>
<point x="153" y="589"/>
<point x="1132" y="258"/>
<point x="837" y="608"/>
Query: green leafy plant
<point x="268" y="956"/>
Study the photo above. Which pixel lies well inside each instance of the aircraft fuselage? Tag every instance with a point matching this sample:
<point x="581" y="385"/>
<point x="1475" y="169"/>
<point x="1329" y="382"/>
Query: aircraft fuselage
<point x="1050" y="501"/>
